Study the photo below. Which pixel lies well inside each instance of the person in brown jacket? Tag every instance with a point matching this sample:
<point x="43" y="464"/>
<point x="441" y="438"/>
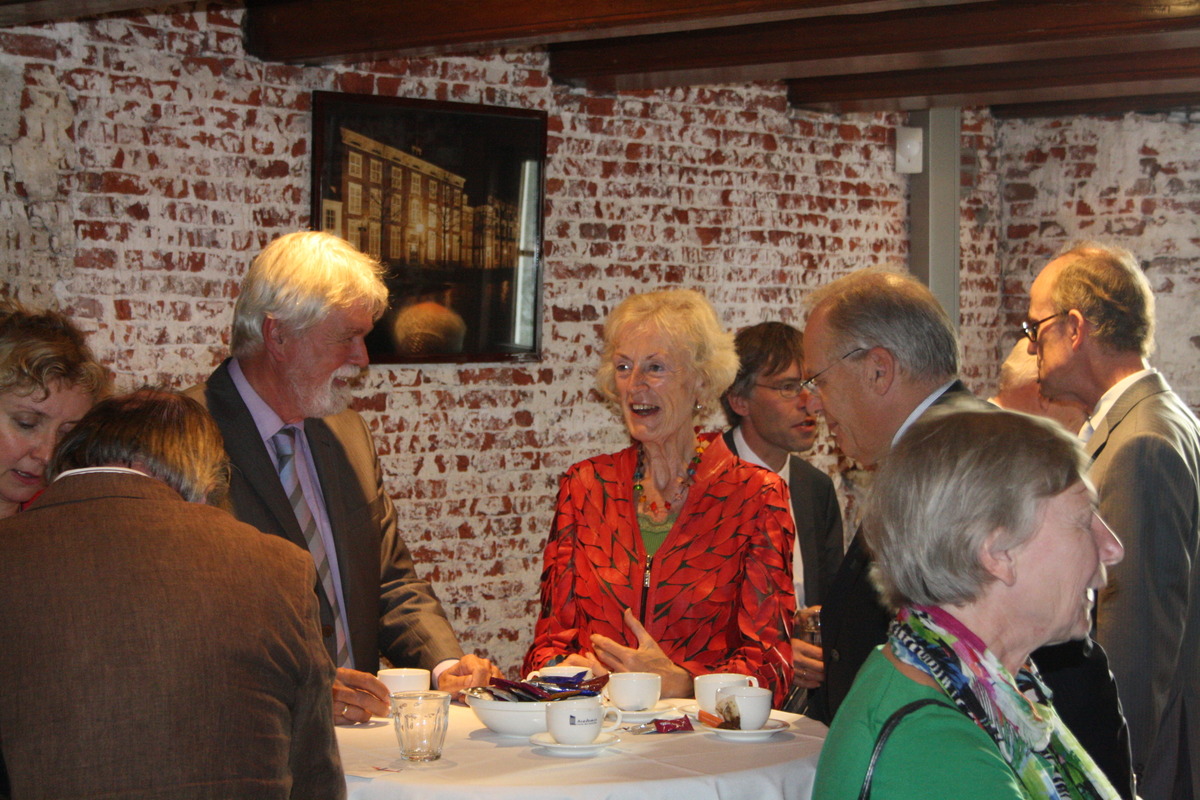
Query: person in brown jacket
<point x="151" y="646"/>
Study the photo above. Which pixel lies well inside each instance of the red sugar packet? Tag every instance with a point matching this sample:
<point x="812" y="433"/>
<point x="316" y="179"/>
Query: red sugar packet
<point x="673" y="725"/>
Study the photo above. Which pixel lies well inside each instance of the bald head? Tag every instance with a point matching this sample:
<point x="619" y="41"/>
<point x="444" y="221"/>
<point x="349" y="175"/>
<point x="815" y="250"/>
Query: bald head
<point x="1110" y="290"/>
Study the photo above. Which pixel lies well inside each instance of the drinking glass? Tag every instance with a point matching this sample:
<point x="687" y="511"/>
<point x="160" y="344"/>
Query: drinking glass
<point x="421" y="719"/>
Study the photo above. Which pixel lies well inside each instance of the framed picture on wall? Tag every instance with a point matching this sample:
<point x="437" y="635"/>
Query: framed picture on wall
<point x="448" y="196"/>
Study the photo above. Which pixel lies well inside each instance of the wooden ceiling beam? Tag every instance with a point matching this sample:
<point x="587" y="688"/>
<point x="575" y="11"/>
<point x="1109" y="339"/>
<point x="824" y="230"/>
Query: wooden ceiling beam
<point x="29" y="12"/>
<point x="1116" y="74"/>
<point x="319" y="31"/>
<point x="1092" y="94"/>
<point x="1118" y="106"/>
<point x="922" y="38"/>
<point x="1023" y="57"/>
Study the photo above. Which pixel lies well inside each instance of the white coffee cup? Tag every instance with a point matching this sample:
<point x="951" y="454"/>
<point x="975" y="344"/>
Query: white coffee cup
<point x="706" y="687"/>
<point x="560" y="671"/>
<point x="405" y="679"/>
<point x="750" y="704"/>
<point x="634" y="691"/>
<point x="579" y="720"/>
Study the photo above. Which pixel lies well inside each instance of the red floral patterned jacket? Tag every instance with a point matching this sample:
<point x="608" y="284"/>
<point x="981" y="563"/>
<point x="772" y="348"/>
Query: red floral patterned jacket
<point x="719" y="596"/>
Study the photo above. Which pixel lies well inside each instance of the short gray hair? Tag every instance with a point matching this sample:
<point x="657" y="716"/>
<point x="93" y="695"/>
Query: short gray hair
<point x="877" y="308"/>
<point x="689" y="322"/>
<point x="298" y="279"/>
<point x="1107" y="286"/>
<point x="953" y="479"/>
<point x="166" y="434"/>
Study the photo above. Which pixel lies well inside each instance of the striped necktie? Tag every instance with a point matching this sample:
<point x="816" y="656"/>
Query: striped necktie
<point x="284" y="443"/>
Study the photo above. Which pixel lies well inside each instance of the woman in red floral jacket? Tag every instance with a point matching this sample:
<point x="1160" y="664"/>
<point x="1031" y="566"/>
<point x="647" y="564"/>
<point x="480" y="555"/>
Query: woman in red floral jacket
<point x="671" y="556"/>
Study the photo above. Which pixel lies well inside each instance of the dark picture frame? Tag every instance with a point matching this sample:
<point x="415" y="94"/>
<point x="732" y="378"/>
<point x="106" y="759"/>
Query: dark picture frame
<point x="449" y="197"/>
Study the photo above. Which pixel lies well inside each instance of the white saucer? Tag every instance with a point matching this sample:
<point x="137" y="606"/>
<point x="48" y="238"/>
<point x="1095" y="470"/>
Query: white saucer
<point x="574" y="750"/>
<point x="772" y="727"/>
<point x="663" y="710"/>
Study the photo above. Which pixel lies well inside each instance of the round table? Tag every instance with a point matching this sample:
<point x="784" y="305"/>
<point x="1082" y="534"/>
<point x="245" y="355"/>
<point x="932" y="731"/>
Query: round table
<point x="477" y="763"/>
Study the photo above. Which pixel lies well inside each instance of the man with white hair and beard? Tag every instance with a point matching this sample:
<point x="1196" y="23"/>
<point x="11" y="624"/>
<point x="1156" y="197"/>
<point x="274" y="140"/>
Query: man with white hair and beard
<point x="304" y="466"/>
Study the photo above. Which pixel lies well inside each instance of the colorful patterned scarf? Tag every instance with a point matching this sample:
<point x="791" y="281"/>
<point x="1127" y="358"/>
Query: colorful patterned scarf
<point x="1042" y="753"/>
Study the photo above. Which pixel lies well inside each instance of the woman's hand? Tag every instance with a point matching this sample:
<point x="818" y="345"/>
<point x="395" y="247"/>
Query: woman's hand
<point x="646" y="657"/>
<point x="585" y="660"/>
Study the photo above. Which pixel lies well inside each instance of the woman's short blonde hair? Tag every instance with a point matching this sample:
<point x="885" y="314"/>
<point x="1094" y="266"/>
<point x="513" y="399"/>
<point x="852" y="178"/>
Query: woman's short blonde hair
<point x="689" y="322"/>
<point x="40" y="350"/>
<point x="953" y="479"/>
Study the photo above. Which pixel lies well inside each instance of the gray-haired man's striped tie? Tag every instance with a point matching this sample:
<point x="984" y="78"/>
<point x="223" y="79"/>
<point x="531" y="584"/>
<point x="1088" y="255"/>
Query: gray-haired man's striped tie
<point x="284" y="443"/>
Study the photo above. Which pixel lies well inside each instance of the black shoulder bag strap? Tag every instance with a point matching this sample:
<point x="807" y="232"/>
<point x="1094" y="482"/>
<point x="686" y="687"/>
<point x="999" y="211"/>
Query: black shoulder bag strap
<point x="886" y="731"/>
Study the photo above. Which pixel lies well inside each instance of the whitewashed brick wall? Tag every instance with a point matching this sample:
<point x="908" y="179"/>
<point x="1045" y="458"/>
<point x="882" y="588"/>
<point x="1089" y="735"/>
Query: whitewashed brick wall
<point x="1133" y="180"/>
<point x="145" y="160"/>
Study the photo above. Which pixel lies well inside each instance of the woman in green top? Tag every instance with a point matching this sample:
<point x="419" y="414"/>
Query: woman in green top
<point x="987" y="540"/>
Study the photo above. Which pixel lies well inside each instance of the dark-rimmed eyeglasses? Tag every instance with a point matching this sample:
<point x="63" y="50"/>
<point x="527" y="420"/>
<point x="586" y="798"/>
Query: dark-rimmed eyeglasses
<point x="788" y="390"/>
<point x="1030" y="329"/>
<point x="811" y="383"/>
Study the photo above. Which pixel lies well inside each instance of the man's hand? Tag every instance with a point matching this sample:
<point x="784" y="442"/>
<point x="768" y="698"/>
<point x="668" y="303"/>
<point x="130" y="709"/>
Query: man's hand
<point x="806" y="659"/>
<point x="471" y="670"/>
<point x="646" y="657"/>
<point x="807" y="656"/>
<point x="357" y="696"/>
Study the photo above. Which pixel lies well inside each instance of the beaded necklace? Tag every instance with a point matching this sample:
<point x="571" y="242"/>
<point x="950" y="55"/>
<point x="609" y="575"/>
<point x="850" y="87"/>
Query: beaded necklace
<point x="639" y="496"/>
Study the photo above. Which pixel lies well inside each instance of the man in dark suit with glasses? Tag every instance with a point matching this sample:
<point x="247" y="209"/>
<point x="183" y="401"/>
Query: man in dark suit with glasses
<point x="879" y="352"/>
<point x="767" y="407"/>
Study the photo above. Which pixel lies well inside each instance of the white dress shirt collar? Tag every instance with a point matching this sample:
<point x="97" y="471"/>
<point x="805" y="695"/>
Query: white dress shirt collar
<point x="1108" y="400"/>
<point x="921" y="408"/>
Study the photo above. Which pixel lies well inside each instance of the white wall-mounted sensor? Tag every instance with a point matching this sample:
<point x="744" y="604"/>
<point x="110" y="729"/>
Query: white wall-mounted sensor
<point x="909" y="143"/>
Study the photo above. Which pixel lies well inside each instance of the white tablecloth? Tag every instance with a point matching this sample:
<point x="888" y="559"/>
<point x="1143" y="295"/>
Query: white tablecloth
<point x="477" y="763"/>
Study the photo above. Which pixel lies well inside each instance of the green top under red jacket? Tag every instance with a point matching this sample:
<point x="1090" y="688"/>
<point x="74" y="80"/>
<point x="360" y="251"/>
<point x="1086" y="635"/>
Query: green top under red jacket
<point x="719" y="596"/>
